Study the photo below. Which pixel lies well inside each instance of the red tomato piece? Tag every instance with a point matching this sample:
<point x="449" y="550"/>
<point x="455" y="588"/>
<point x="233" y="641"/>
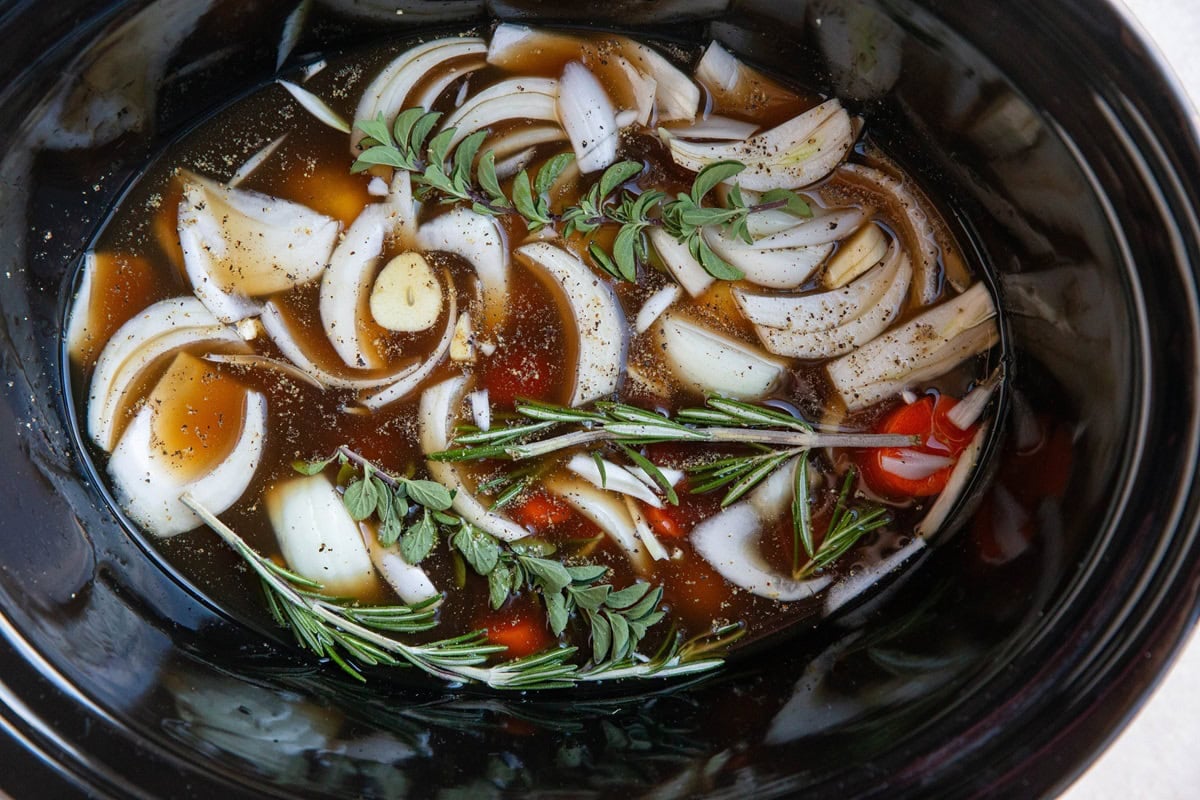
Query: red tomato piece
<point x="939" y="438"/>
<point x="514" y="373"/>
<point x="522" y="635"/>
<point x="667" y="522"/>
<point x="540" y="510"/>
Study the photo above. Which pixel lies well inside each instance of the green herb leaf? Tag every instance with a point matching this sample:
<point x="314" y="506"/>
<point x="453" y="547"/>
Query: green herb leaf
<point x="418" y="541"/>
<point x="712" y="175"/>
<point x="795" y="204"/>
<point x="499" y="581"/>
<point x="488" y="180"/>
<point x="552" y="575"/>
<point x="590" y="597"/>
<point x="624" y="252"/>
<point x="556" y="612"/>
<point x="716" y="266"/>
<point x="375" y="129"/>
<point x="464" y="155"/>
<point x="430" y="494"/>
<point x="421" y="130"/>
<point x="311" y="467"/>
<point x="802" y="534"/>
<point x="623" y="598"/>
<point x="403" y="126"/>
<point x="587" y="573"/>
<point x="389" y="532"/>
<point x="603" y="260"/>
<point x="601" y="637"/>
<point x="551" y="171"/>
<point x="523" y="199"/>
<point x="619" y="173"/>
<point x="480" y="549"/>
<point x="360" y="500"/>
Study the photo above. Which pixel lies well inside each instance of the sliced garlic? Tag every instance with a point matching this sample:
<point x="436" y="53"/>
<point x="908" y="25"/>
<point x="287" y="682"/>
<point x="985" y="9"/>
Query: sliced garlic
<point x="407" y="295"/>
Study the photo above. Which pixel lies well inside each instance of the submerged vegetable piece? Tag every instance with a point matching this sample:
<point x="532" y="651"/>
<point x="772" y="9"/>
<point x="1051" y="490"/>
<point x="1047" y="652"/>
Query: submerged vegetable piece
<point x="923" y="469"/>
<point x="442" y="325"/>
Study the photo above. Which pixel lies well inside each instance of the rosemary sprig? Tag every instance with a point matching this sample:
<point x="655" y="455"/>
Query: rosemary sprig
<point x="459" y="174"/>
<point x="846" y="527"/>
<point x="778" y="437"/>
<point x="353" y="637"/>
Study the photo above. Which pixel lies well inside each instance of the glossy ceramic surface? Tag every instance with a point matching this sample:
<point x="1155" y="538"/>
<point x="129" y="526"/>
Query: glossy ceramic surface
<point x="1052" y="136"/>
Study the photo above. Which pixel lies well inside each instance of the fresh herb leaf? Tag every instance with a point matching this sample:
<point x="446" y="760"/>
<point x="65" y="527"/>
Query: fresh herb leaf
<point x="430" y="494"/>
<point x="360" y="499"/>
<point x="418" y="541"/>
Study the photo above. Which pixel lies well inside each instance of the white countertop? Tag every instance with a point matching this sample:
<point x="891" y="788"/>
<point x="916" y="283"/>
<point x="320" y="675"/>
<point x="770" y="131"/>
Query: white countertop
<point x="1155" y="757"/>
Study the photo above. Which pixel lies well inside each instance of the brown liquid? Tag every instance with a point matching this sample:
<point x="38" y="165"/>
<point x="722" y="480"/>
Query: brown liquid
<point x="143" y="263"/>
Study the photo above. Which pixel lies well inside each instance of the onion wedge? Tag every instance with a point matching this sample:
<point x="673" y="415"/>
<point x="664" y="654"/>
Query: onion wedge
<point x="644" y="532"/>
<point x="797" y="153"/>
<point x="908" y="213"/>
<point x="345" y="283"/>
<point x="439" y="409"/>
<point x="711" y="362"/>
<point x="387" y="92"/>
<point x="161" y="329"/>
<point x="612" y="478"/>
<point x="677" y="95"/>
<point x="482" y="242"/>
<point x="960" y="476"/>
<point x="149" y="492"/>
<point x="736" y="87"/>
<point x="727" y="541"/>
<point x="409" y="581"/>
<point x="715" y="128"/>
<point x="588" y="117"/>
<point x="516" y="98"/>
<point x="609" y="514"/>
<point x="678" y="260"/>
<point x="774" y="269"/>
<point x="238" y="245"/>
<point x="599" y="321"/>
<point x="922" y="349"/>
<point x="654" y="307"/>
<point x="810" y="334"/>
<point x="317" y="536"/>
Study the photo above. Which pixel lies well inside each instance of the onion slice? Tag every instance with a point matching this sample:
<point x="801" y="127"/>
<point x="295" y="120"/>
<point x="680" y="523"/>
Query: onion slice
<point x="956" y="484"/>
<point x="439" y="409"/>
<point x="612" y="478"/>
<point x="588" y="117"/>
<point x="774" y="269"/>
<point x="686" y="270"/>
<point x="599" y="321"/>
<point x="238" y="245"/>
<point x="609" y="514"/>
<point x="316" y="106"/>
<point x="736" y="87"/>
<point x="715" y="128"/>
<point x="644" y="532"/>
<point x="148" y="491"/>
<point x="515" y="98"/>
<point x="482" y="242"/>
<point x="712" y="362"/>
<point x="797" y="153"/>
<point x="317" y="536"/>
<point x="728" y="542"/>
<point x="924" y="348"/>
<point x="654" y="307"/>
<point x="387" y="92"/>
<point x="409" y="581"/>
<point x="164" y="327"/>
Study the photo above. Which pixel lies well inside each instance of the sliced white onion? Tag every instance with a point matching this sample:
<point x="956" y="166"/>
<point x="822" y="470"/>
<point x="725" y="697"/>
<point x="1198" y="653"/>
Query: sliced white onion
<point x="507" y="167"/>
<point x="654" y="307"/>
<point x="588" y="117"/>
<point x="377" y="187"/>
<point x="482" y="242"/>
<point x="409" y="581"/>
<point x="510" y="41"/>
<point x="255" y="161"/>
<point x="642" y="89"/>
<point x="481" y="409"/>
<point x="613" y="478"/>
<point x="857" y="254"/>
<point x="316" y="106"/>
<point x="599" y="321"/>
<point x="677" y="96"/>
<point x="924" y="348"/>
<point x="515" y="98"/>
<point x="81" y="308"/>
<point x="968" y="410"/>
<point x="687" y="271"/>
<point x="609" y="514"/>
<point x="293" y="28"/>
<point x="164" y="327"/>
<point x="317" y="537"/>
<point x="715" y="128"/>
<point x="960" y="476"/>
<point x="387" y="92"/>
<point x="863" y="578"/>
<point x="856" y="327"/>
<point x="775" y="269"/>
<point x="408" y="382"/>
<point x="712" y="362"/>
<point x="913" y="465"/>
<point x="439" y="409"/>
<point x="253" y="360"/>
<point x="280" y="331"/>
<point x="644" y="532"/>
<point x="734" y="86"/>
<point x="239" y="244"/>
<point x="728" y="541"/>
<point x="826" y="226"/>
<point x="797" y="153"/>
<point x="523" y="138"/>
<point x="433" y="90"/>
<point x="345" y="284"/>
<point x="917" y="230"/>
<point x="148" y="491"/>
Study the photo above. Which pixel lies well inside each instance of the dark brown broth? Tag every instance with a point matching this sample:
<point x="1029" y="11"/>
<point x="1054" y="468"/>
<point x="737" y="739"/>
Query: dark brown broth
<point x="312" y="168"/>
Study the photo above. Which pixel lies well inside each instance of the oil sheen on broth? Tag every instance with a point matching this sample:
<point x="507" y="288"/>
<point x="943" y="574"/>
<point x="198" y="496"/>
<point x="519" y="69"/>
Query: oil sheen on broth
<point x="254" y="303"/>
